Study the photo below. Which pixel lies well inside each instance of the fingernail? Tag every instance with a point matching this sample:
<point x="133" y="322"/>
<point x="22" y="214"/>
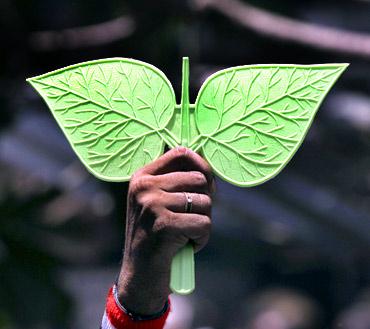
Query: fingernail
<point x="184" y="150"/>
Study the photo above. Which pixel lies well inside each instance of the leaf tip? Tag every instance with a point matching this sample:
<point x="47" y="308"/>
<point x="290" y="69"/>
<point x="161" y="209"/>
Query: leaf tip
<point x="30" y="80"/>
<point x="343" y="66"/>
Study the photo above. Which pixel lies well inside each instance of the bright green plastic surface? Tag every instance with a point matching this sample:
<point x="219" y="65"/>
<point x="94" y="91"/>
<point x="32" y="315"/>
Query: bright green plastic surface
<point x="182" y="270"/>
<point x="252" y="119"/>
<point x="247" y="121"/>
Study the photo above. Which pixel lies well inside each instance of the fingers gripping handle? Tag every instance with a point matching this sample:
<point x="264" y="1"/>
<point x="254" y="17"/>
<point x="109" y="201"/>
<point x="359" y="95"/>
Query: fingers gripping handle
<point x="182" y="270"/>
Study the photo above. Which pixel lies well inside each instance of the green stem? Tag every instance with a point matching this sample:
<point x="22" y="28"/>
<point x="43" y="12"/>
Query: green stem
<point x="182" y="270"/>
<point x="185" y="104"/>
<point x="191" y="107"/>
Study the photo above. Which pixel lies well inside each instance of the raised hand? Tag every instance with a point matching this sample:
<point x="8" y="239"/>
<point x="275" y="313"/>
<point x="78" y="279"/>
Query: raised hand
<point x="159" y="224"/>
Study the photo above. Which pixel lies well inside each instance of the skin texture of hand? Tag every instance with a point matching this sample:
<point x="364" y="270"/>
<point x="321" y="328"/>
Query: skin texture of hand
<point x="158" y="226"/>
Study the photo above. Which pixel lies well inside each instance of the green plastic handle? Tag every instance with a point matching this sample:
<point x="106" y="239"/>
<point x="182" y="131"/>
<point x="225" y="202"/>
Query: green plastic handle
<point x="182" y="270"/>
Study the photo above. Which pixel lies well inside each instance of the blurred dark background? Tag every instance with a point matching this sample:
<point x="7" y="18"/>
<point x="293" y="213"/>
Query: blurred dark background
<point x="290" y="254"/>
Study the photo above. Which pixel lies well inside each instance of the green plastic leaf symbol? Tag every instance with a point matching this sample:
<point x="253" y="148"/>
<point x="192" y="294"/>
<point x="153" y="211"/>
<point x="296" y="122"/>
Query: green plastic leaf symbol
<point x="248" y="121"/>
<point x="113" y="112"/>
<point x="252" y="119"/>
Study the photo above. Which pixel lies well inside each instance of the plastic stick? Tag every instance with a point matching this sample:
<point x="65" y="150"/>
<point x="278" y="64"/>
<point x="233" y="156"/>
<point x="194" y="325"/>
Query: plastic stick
<point x="182" y="270"/>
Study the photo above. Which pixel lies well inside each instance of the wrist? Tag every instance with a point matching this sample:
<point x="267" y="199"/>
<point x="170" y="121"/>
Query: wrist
<point x="143" y="293"/>
<point x="116" y="316"/>
<point x="137" y="316"/>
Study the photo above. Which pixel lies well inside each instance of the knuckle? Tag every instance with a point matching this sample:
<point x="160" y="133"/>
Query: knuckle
<point x="162" y="226"/>
<point x="140" y="183"/>
<point x="149" y="201"/>
<point x="137" y="173"/>
<point x="169" y="217"/>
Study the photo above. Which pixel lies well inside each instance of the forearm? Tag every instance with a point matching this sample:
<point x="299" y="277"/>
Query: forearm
<point x="139" y="300"/>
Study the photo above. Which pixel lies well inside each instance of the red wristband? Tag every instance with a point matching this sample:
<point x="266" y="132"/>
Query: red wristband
<point x="121" y="320"/>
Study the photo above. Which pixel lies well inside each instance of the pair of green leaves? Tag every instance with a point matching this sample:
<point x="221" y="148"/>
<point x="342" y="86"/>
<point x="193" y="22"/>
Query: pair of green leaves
<point x="247" y="121"/>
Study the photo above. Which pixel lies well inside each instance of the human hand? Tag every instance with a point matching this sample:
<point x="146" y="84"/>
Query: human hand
<point x="158" y="226"/>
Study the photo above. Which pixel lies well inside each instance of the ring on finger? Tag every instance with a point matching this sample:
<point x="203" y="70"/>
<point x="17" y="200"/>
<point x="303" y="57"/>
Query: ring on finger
<point x="188" y="203"/>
